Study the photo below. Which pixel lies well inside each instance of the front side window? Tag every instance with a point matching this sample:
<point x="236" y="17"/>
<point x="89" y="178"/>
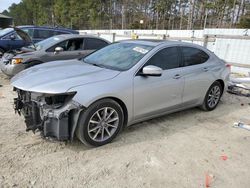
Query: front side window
<point x="14" y="34"/>
<point x="193" y="56"/>
<point x="69" y="45"/>
<point x="118" y="56"/>
<point x="44" y="44"/>
<point x="94" y="44"/>
<point x="165" y="59"/>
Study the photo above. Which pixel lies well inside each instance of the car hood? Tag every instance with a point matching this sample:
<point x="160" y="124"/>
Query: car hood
<point x="23" y="35"/>
<point x="60" y="76"/>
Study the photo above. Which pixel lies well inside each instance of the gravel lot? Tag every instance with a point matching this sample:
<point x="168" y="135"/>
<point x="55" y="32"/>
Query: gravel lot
<point x="183" y="149"/>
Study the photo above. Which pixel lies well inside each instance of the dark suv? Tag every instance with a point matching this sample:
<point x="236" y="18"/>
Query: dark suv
<point x="9" y="40"/>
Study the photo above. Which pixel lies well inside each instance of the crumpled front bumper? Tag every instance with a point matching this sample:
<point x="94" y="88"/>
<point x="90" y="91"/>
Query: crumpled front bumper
<point x="59" y="123"/>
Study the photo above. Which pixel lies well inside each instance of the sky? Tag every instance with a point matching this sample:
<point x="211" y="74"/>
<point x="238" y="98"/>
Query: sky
<point x="4" y="4"/>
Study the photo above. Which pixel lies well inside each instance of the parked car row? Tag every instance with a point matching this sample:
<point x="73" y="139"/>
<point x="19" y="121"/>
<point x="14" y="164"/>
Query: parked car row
<point x="10" y="40"/>
<point x="95" y="96"/>
<point x="61" y="47"/>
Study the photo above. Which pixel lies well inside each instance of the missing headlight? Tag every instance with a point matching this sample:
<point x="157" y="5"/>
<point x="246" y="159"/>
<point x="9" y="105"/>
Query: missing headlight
<point x="58" y="100"/>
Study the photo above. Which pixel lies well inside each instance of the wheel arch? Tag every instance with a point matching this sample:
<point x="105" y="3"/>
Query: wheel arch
<point x="77" y="114"/>
<point x="222" y="84"/>
<point x="121" y="103"/>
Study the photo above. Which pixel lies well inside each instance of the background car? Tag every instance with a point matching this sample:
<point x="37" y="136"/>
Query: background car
<point x="10" y="40"/>
<point x="119" y="85"/>
<point x="61" y="47"/>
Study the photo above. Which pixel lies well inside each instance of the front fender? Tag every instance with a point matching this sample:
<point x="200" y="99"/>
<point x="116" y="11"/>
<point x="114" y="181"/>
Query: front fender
<point x="115" y="88"/>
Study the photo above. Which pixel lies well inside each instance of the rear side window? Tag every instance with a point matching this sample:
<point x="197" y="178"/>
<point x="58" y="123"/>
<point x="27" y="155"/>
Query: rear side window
<point x="165" y="59"/>
<point x="43" y="34"/>
<point x="193" y="56"/>
<point x="94" y="44"/>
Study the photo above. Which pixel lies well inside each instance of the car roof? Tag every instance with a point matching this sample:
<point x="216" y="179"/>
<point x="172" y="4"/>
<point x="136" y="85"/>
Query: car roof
<point x="48" y="27"/>
<point x="157" y="42"/>
<point x="70" y="36"/>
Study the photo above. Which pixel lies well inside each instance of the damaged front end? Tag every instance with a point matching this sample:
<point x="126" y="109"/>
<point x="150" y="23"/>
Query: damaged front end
<point x="54" y="115"/>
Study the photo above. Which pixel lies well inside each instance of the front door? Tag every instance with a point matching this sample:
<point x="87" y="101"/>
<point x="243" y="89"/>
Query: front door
<point x="155" y="95"/>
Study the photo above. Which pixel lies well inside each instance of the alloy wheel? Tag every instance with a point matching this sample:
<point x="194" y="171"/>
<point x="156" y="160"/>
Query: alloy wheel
<point x="214" y="96"/>
<point x="103" y="124"/>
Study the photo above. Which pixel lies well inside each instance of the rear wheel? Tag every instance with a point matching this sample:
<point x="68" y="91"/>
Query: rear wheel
<point x="212" y="97"/>
<point x="100" y="123"/>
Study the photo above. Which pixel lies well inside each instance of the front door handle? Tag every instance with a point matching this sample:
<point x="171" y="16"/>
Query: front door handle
<point x="177" y="76"/>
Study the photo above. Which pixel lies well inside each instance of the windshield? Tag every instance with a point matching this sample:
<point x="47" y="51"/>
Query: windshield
<point x="5" y="31"/>
<point x="118" y="56"/>
<point x="46" y="43"/>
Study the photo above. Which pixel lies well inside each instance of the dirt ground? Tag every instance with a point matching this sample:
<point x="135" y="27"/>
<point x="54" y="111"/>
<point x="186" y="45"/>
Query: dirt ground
<point x="184" y="149"/>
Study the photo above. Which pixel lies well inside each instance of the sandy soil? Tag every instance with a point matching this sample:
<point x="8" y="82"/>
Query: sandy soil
<point x="183" y="149"/>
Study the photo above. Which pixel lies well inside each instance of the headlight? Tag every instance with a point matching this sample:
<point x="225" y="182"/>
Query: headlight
<point x="16" y="60"/>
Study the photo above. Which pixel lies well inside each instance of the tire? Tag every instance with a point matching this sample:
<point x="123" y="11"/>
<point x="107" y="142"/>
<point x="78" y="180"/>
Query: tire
<point x="212" y="97"/>
<point x="95" y="130"/>
<point x="1" y="52"/>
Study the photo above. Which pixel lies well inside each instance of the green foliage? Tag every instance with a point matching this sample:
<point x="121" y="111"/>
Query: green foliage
<point x="245" y="22"/>
<point x="115" y="14"/>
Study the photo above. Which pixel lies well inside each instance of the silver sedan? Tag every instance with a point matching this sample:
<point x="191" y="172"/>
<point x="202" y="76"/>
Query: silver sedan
<point x="119" y="85"/>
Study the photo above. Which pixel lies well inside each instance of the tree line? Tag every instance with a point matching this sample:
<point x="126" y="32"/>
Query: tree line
<point x="132" y="14"/>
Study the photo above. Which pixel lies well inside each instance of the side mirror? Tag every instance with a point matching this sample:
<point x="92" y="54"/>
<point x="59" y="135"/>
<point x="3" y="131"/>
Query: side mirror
<point x="58" y="49"/>
<point x="151" y="70"/>
<point x="12" y="37"/>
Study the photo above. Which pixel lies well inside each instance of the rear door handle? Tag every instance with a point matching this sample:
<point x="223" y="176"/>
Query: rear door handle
<point x="177" y="76"/>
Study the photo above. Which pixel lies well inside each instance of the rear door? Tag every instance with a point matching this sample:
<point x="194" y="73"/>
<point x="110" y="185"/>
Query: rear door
<point x="197" y="74"/>
<point x="155" y="95"/>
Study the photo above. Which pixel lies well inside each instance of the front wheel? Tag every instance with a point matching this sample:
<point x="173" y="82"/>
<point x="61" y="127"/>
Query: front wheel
<point x="100" y="123"/>
<point x="212" y="97"/>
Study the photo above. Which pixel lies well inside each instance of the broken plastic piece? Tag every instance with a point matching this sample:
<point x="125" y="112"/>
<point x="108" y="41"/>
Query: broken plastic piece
<point x="224" y="157"/>
<point x="208" y="180"/>
<point x="242" y="125"/>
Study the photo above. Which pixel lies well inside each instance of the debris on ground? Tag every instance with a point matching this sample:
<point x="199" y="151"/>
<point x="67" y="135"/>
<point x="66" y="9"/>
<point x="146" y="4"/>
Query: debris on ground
<point x="208" y="180"/>
<point x="239" y="86"/>
<point x="224" y="157"/>
<point x="242" y="125"/>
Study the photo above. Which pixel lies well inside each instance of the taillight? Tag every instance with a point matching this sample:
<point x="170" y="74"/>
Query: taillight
<point x="229" y="67"/>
